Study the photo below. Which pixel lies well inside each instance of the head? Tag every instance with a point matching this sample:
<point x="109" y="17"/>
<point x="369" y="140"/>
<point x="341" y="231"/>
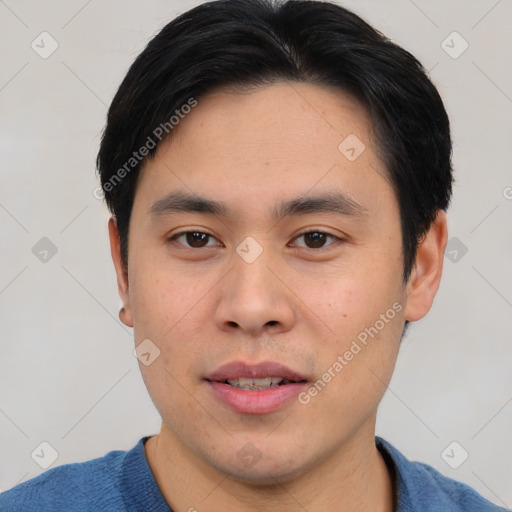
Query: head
<point x="308" y="159"/>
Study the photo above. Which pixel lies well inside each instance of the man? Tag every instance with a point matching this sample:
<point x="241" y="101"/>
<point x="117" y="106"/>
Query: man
<point x="278" y="175"/>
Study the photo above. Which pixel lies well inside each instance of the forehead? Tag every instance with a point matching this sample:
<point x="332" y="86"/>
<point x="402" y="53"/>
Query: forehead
<point x="251" y="144"/>
<point x="286" y="115"/>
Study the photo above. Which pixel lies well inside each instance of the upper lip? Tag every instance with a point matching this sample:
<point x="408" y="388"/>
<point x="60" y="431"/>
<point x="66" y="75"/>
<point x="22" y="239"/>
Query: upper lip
<point x="237" y="369"/>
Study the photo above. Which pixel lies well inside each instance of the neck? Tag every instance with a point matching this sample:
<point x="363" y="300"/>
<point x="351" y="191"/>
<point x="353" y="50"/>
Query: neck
<point x="355" y="476"/>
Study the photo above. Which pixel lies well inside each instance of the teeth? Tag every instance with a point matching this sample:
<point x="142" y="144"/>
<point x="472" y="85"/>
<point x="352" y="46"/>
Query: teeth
<point x="256" y="384"/>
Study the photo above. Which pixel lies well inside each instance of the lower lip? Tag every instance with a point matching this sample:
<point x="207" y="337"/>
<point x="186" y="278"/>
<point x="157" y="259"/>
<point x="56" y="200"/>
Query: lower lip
<point x="256" y="401"/>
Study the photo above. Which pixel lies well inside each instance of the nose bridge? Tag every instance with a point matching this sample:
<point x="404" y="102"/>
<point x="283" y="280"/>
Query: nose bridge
<point x="251" y="260"/>
<point x="252" y="279"/>
<point x="252" y="299"/>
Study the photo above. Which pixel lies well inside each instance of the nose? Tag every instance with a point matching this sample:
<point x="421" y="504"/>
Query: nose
<point x="254" y="300"/>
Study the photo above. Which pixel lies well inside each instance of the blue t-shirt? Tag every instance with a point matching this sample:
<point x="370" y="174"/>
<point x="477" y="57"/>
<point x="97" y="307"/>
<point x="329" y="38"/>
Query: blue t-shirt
<point x="122" y="481"/>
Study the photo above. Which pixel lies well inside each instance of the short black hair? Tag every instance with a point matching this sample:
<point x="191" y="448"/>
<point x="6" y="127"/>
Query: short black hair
<point x="258" y="42"/>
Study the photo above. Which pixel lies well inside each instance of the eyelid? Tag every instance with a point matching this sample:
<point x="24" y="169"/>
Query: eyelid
<point x="317" y="230"/>
<point x="175" y="236"/>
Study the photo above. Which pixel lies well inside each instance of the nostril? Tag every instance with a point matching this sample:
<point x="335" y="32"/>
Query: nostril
<point x="272" y="322"/>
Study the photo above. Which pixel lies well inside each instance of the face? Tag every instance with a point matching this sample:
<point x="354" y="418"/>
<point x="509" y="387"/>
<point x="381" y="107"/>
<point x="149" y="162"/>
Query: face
<point x="295" y="273"/>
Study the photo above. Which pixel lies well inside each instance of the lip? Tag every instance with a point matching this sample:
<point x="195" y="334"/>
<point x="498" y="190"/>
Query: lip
<point x="261" y="370"/>
<point x="255" y="401"/>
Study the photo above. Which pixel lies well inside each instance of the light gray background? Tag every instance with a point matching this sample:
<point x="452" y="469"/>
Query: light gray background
<point x="68" y="374"/>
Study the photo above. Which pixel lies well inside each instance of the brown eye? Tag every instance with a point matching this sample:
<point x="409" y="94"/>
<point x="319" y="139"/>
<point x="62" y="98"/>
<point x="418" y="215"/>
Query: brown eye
<point x="315" y="239"/>
<point x="197" y="239"/>
<point x="194" y="239"/>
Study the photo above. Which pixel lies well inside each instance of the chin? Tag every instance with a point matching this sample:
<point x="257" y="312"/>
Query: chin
<point x="261" y="472"/>
<point x="262" y="476"/>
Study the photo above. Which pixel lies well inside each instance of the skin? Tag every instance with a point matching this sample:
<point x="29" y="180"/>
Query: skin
<point x="301" y="306"/>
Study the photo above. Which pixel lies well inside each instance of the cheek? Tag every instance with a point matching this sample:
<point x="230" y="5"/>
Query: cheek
<point x="356" y="366"/>
<point x="348" y="304"/>
<point x="364" y="313"/>
<point x="169" y="309"/>
<point x="161" y="299"/>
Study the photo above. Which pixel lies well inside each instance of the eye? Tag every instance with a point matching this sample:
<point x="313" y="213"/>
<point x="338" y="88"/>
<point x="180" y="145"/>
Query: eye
<point x="194" y="239"/>
<point x="316" y="239"/>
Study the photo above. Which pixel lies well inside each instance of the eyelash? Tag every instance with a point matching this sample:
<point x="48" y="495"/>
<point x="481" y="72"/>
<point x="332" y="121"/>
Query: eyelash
<point x="175" y="237"/>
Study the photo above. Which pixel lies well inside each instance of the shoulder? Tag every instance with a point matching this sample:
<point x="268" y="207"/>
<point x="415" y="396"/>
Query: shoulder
<point x="451" y="492"/>
<point x="420" y="487"/>
<point x="90" y="485"/>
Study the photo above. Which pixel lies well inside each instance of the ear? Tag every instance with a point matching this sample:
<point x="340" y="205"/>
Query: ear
<point x="125" y="315"/>
<point x="425" y="277"/>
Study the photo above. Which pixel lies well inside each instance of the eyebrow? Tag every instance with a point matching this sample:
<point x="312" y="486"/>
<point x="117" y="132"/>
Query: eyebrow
<point x="327" y="202"/>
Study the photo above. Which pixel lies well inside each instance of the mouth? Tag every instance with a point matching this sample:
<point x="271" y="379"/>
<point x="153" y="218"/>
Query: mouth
<point x="252" y="384"/>
<point x="264" y="375"/>
<point x="255" y="389"/>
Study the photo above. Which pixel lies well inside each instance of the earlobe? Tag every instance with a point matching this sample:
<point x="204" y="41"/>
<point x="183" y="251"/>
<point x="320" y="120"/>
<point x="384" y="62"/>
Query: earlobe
<point x="125" y="314"/>
<point x="425" y="277"/>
